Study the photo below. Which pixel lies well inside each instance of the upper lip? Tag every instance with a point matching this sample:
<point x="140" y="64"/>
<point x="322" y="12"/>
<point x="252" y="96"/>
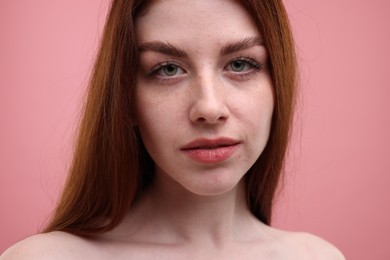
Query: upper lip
<point x="206" y="143"/>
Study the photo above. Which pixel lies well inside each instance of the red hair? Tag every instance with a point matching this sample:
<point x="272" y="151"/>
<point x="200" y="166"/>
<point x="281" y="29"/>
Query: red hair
<point x="111" y="168"/>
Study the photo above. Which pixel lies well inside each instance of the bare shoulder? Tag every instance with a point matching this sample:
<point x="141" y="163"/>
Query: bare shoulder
<point x="54" y="245"/>
<point x="313" y="247"/>
<point x="300" y="245"/>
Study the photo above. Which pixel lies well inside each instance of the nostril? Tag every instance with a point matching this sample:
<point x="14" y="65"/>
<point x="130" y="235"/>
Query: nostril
<point x="211" y="119"/>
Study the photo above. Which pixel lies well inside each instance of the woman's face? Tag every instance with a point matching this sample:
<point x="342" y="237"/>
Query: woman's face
<point x="204" y="94"/>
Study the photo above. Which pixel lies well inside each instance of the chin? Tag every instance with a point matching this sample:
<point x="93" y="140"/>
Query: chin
<point x="213" y="186"/>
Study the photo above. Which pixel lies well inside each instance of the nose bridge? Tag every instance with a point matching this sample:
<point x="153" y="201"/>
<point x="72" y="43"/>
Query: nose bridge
<point x="209" y="99"/>
<point x="208" y="88"/>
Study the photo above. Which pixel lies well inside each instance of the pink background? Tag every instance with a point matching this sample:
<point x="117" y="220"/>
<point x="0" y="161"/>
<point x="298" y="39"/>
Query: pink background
<point x="338" y="179"/>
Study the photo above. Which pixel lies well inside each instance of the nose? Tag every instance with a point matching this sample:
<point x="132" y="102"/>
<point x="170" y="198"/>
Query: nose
<point x="209" y="104"/>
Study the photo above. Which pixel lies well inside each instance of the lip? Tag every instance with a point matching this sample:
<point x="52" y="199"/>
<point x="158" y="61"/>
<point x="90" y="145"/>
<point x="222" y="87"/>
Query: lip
<point x="206" y="150"/>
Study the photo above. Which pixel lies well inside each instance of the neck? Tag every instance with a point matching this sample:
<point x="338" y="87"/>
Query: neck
<point x="168" y="208"/>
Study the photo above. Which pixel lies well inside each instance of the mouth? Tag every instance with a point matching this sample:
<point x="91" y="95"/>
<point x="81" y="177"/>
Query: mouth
<point x="204" y="143"/>
<point x="205" y="150"/>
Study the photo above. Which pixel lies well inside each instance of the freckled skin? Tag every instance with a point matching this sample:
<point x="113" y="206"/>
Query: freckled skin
<point x="210" y="96"/>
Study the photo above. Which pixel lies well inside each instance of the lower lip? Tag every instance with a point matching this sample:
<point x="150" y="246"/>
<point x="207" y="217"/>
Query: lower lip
<point x="215" y="155"/>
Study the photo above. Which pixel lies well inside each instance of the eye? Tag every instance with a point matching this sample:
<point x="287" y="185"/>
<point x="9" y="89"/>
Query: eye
<point x="167" y="70"/>
<point x="238" y="65"/>
<point x="242" y="65"/>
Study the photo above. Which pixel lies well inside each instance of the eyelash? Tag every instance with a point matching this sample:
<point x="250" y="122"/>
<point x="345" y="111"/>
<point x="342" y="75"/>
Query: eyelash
<point x="251" y="61"/>
<point x="255" y="67"/>
<point x="162" y="65"/>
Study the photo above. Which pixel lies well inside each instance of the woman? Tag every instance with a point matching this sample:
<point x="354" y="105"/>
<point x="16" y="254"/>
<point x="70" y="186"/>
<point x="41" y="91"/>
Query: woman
<point x="183" y="139"/>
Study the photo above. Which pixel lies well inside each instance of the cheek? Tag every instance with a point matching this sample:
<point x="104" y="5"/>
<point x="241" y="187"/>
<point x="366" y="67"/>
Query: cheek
<point x="147" y="124"/>
<point x="148" y="105"/>
<point x="155" y="116"/>
<point x="256" y="108"/>
<point x="144" y="117"/>
<point x="256" y="118"/>
<point x="265" y="104"/>
<point x="266" y="111"/>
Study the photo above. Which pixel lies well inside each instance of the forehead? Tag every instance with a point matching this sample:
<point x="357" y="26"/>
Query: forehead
<point x="191" y="21"/>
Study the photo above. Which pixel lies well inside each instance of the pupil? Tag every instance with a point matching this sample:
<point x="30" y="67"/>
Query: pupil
<point x="238" y="65"/>
<point x="170" y="69"/>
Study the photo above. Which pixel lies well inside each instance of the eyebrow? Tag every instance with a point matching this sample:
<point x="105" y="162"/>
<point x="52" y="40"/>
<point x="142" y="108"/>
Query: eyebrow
<point x="164" y="48"/>
<point x="243" y="44"/>
<point x="171" y="50"/>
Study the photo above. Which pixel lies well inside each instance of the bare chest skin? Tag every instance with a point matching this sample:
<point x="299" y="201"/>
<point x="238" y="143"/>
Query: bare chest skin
<point x="248" y="250"/>
<point x="272" y="244"/>
<point x="277" y="245"/>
